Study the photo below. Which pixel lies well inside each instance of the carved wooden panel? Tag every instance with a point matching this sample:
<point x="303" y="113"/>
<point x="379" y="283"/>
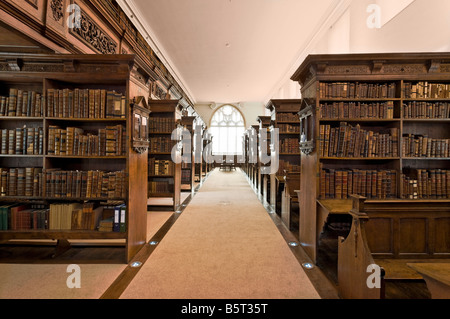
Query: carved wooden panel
<point x="91" y="34"/>
<point x="404" y="69"/>
<point x="413" y="235"/>
<point x="442" y="236"/>
<point x="380" y="232"/>
<point x="348" y="69"/>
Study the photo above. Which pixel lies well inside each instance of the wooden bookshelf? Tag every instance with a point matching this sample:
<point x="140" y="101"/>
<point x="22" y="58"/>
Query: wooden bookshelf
<point x="165" y="121"/>
<point x="370" y="93"/>
<point x="284" y="115"/>
<point x="188" y="169"/>
<point x="54" y="173"/>
<point x="264" y="179"/>
<point x="198" y="151"/>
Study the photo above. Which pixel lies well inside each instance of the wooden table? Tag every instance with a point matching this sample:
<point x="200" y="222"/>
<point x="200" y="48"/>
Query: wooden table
<point x="437" y="277"/>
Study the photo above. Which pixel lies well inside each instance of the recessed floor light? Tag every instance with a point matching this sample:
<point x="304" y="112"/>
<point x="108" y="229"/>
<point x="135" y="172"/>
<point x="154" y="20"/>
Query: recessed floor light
<point x="136" y="264"/>
<point x="153" y="243"/>
<point x="308" y="265"/>
<point x="293" y="244"/>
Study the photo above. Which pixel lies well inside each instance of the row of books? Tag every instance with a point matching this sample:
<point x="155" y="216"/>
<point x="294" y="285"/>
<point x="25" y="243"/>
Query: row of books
<point x="160" y="167"/>
<point x="289" y="146"/>
<point x="426" y="184"/>
<point x="21" y="182"/>
<point x="66" y="216"/>
<point x="426" y="90"/>
<point x="426" y="110"/>
<point x="22" y="141"/>
<point x="287" y="166"/>
<point x="85" y="103"/>
<point x="162" y="144"/>
<point x="288" y="117"/>
<point x="287" y="128"/>
<point x="186" y="176"/>
<point x="23" y="217"/>
<point x="159" y="187"/>
<point x="373" y="184"/>
<point x="85" y="184"/>
<point x="73" y="141"/>
<point x="161" y="125"/>
<point x="357" y="110"/>
<point x="356" y="90"/>
<point x="22" y="103"/>
<point x="355" y="142"/>
<point x="423" y="146"/>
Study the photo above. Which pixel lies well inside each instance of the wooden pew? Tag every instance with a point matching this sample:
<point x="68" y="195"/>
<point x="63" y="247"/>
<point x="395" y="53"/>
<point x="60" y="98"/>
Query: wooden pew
<point x="391" y="234"/>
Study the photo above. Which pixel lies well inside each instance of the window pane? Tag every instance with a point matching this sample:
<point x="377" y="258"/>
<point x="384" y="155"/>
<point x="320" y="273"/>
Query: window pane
<point x="227" y="127"/>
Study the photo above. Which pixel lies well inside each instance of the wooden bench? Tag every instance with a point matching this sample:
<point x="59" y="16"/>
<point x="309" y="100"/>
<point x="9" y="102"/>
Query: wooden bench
<point x="391" y="234"/>
<point x="437" y="277"/>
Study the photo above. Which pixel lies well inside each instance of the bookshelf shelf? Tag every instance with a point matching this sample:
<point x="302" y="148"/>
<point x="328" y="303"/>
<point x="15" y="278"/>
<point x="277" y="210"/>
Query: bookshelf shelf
<point x="92" y="101"/>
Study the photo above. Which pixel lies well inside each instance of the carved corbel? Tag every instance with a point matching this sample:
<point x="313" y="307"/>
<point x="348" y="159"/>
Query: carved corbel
<point x="434" y="66"/>
<point x="377" y="66"/>
<point x="15" y="64"/>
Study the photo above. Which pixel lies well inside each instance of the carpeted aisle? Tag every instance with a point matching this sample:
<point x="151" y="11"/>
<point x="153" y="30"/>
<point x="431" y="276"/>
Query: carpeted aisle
<point x="223" y="246"/>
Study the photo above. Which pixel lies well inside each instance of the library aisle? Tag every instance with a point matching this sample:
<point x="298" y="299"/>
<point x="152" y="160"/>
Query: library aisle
<point x="223" y="246"/>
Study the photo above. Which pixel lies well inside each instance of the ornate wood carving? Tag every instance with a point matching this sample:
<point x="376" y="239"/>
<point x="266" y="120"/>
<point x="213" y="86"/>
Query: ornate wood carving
<point x="140" y="118"/>
<point x="94" y="36"/>
<point x="405" y="69"/>
<point x="348" y="69"/>
<point x="307" y="127"/>
<point x="57" y="7"/>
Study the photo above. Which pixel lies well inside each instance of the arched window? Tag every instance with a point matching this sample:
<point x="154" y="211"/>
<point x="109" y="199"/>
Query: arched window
<point x="227" y="127"/>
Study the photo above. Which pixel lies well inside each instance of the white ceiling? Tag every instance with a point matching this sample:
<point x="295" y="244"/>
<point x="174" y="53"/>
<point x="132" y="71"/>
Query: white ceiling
<point x="230" y="50"/>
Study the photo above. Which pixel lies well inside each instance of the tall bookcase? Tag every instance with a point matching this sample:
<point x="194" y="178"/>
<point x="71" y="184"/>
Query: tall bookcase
<point x="264" y="180"/>
<point x="188" y="169"/>
<point x="67" y="161"/>
<point x="285" y="119"/>
<point x="365" y="130"/>
<point x="198" y="150"/>
<point x="164" y="134"/>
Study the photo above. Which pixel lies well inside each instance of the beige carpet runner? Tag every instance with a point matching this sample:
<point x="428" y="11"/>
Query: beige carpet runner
<point x="223" y="246"/>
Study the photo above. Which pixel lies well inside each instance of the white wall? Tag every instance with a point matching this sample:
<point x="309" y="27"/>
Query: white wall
<point x="407" y="26"/>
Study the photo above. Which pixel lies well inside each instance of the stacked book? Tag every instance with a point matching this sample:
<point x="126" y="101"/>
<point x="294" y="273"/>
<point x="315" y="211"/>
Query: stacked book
<point x="159" y="187"/>
<point x="21" y="181"/>
<point x="288" y="117"/>
<point x="84" y="184"/>
<point x="426" y="110"/>
<point x="162" y="144"/>
<point x="426" y="90"/>
<point x="289" y="146"/>
<point x="22" y="141"/>
<point x="423" y="146"/>
<point x="23" y="217"/>
<point x="161" y="125"/>
<point x="355" y="142"/>
<point x="373" y="184"/>
<point x="85" y="103"/>
<point x="357" y="110"/>
<point x="357" y="90"/>
<point x="22" y="103"/>
<point x="73" y="141"/>
<point x="426" y="184"/>
<point x="160" y="167"/>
